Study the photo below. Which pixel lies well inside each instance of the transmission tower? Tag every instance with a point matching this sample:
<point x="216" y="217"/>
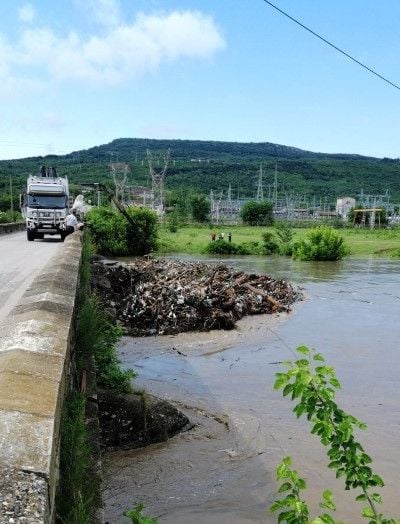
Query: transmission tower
<point x="276" y="186"/>
<point x="157" y="181"/>
<point x="229" y="203"/>
<point x="212" y="207"/>
<point x="119" y="172"/>
<point x="260" y="189"/>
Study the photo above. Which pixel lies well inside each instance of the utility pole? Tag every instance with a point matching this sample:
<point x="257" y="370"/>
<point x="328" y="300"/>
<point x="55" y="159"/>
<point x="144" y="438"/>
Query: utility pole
<point x="260" y="189"/>
<point x="276" y="185"/>
<point x="11" y="197"/>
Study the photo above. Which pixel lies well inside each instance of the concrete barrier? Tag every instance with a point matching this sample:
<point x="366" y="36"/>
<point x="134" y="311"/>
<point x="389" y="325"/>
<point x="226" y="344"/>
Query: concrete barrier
<point x="35" y="342"/>
<point x="12" y="227"/>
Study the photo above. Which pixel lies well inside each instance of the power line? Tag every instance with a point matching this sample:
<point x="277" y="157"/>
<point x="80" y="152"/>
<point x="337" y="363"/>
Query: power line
<point x="332" y="45"/>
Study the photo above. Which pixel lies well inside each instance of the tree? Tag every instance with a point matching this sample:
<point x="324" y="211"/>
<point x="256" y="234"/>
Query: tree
<point x="5" y="201"/>
<point x="200" y="207"/>
<point x="257" y="213"/>
<point x="180" y="201"/>
<point x="114" y="235"/>
<point x="142" y="234"/>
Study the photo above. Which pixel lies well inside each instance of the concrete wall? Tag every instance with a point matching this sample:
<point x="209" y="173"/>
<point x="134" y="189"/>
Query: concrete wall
<point x="11" y="228"/>
<point x="35" y="341"/>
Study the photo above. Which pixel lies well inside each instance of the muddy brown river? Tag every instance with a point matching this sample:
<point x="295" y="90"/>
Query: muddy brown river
<point x="223" y="470"/>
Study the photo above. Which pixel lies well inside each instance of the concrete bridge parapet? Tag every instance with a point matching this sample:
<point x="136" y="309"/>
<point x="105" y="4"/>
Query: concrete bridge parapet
<point x="12" y="227"/>
<point x="35" y="342"/>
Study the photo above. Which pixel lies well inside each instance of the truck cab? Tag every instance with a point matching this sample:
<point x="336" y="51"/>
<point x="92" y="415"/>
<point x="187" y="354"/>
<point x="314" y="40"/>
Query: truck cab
<point x="45" y="204"/>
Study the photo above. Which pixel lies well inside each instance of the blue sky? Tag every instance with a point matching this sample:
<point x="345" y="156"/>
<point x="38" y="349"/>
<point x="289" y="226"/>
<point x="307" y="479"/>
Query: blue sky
<point x="79" y="73"/>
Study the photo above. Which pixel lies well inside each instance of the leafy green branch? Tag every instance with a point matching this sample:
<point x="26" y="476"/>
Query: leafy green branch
<point x="295" y="508"/>
<point x="313" y="385"/>
<point x="136" y="516"/>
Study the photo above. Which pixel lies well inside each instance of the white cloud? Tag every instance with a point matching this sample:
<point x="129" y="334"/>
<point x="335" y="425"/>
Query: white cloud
<point x="26" y="13"/>
<point x="118" y="53"/>
<point x="106" y="12"/>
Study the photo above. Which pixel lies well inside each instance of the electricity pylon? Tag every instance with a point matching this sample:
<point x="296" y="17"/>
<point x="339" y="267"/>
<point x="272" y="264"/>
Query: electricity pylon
<point x="157" y="181"/>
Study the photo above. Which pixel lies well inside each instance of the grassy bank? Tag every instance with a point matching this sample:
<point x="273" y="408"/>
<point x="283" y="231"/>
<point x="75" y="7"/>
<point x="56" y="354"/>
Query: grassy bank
<point x="194" y="239"/>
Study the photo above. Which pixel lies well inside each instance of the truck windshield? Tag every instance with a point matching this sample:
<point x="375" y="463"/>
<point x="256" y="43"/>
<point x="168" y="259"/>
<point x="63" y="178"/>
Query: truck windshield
<point x="47" y="201"/>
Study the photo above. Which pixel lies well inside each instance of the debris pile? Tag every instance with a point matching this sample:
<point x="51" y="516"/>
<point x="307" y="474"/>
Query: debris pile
<point x="169" y="296"/>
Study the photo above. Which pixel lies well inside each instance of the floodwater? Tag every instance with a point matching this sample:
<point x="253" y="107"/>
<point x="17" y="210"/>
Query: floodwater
<point x="223" y="470"/>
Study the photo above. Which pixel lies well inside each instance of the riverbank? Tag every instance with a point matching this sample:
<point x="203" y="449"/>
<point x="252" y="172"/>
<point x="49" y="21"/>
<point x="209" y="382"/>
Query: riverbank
<point x="194" y="239"/>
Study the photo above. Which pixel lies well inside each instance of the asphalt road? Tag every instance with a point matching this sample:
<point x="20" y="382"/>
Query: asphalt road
<point x="20" y="262"/>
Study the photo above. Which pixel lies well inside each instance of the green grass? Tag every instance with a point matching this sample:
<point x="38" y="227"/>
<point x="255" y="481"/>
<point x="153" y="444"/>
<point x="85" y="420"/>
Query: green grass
<point x="366" y="242"/>
<point x="79" y="486"/>
<point x="97" y="335"/>
<point x="194" y="239"/>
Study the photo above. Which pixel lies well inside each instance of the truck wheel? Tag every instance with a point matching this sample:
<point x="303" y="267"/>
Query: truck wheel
<point x="30" y="235"/>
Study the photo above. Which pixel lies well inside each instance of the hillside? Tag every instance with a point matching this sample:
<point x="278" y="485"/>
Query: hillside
<point x="206" y="165"/>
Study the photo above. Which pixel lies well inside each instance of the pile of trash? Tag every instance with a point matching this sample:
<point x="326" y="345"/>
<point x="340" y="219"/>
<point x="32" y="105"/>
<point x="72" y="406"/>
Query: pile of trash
<point x="169" y="296"/>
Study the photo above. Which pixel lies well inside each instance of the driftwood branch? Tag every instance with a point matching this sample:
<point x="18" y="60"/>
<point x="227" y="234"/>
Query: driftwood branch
<point x="270" y="299"/>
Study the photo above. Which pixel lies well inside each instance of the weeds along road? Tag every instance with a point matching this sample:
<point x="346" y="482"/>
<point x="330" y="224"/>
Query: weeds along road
<point x="20" y="262"/>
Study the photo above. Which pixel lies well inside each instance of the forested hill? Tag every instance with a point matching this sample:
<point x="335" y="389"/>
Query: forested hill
<point x="205" y="165"/>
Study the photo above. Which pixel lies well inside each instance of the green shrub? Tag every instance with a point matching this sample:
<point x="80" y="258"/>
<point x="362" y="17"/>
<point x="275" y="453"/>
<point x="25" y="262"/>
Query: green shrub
<point x="285" y="236"/>
<point x="142" y="234"/>
<point x="136" y="516"/>
<point x="6" y="217"/>
<point x="97" y="336"/>
<point x="108" y="229"/>
<point x="320" y="243"/>
<point x="270" y="244"/>
<point x="257" y="213"/>
<point x="220" y="247"/>
<point x="173" y="222"/>
<point x="113" y="235"/>
<point x="251" y="248"/>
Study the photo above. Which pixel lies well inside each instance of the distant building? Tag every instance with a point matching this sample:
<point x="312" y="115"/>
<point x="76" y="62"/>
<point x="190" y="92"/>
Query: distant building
<point x="343" y="206"/>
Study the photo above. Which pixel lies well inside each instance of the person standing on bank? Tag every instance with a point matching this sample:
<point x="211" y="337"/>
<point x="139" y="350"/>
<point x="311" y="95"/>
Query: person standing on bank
<point x="230" y="237"/>
<point x="71" y="222"/>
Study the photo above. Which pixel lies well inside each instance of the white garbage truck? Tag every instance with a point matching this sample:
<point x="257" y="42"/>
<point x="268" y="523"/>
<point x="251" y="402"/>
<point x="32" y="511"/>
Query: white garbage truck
<point x="45" y="204"/>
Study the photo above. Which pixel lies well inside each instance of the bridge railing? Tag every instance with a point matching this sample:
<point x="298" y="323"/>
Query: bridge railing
<point x="12" y="227"/>
<point x="35" y="344"/>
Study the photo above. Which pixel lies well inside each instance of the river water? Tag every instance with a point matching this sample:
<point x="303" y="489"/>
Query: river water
<point x="223" y="471"/>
